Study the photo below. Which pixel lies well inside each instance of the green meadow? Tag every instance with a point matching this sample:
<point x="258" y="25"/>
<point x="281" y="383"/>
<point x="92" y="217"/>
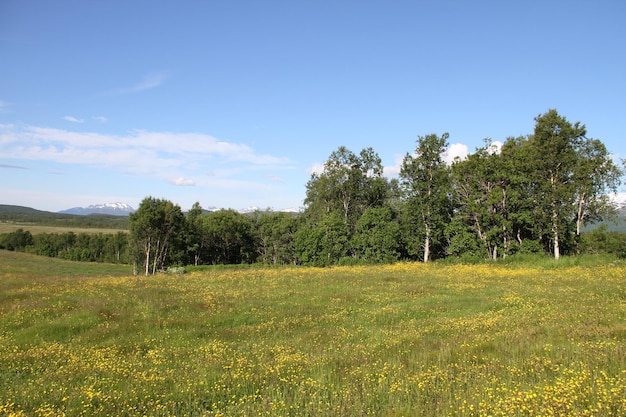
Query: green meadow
<point x="407" y="339"/>
<point x="9" y="227"/>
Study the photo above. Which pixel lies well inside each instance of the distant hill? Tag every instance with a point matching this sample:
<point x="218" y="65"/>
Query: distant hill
<point x="20" y="214"/>
<point x="114" y="209"/>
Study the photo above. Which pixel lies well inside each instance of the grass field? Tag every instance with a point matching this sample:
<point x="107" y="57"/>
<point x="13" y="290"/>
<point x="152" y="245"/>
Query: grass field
<point x="8" y="227"/>
<point x="405" y="339"/>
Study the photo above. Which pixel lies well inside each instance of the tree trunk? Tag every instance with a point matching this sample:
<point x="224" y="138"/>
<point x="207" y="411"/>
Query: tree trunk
<point x="147" y="256"/>
<point x="557" y="251"/>
<point x="555" y="232"/>
<point x="579" y="218"/>
<point x="427" y="244"/>
<point x="156" y="257"/>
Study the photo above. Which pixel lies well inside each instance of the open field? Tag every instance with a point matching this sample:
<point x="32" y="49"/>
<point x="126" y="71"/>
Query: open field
<point x="405" y="339"/>
<point x="33" y="228"/>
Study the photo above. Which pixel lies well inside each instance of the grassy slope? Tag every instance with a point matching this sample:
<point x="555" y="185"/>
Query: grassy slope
<point x="407" y="339"/>
<point x="37" y="221"/>
<point x="8" y="227"/>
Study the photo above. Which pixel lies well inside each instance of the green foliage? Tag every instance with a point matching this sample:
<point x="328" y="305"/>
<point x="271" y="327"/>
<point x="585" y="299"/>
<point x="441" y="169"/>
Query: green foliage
<point x="349" y="185"/>
<point x="425" y="182"/>
<point x="336" y="200"/>
<point x="558" y="173"/>
<point x="323" y="242"/>
<point x="156" y="235"/>
<point x="89" y="247"/>
<point x="602" y="241"/>
<point x="230" y="237"/>
<point x="377" y="237"/>
<point x="18" y="240"/>
<point x="276" y="237"/>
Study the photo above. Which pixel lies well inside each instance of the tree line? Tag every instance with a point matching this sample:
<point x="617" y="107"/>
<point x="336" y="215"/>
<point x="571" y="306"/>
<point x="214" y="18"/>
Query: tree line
<point x="87" y="247"/>
<point x="534" y="194"/>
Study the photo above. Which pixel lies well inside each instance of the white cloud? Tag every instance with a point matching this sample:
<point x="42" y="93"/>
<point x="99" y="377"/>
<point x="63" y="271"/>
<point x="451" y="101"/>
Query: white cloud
<point x="100" y="119"/>
<point x="275" y="178"/>
<point x="172" y="157"/>
<point x="73" y="119"/>
<point x="148" y="82"/>
<point x="495" y="147"/>
<point x="316" y="168"/>
<point x="182" y="181"/>
<point x="392" y="171"/>
<point x="456" y="150"/>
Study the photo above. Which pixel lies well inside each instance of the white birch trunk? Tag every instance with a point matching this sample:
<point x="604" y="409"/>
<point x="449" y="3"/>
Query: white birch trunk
<point x="147" y="257"/>
<point x="427" y="244"/>
<point x="555" y="231"/>
<point x="579" y="219"/>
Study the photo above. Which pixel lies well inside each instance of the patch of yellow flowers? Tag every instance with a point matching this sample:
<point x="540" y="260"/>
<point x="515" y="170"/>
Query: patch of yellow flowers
<point x="404" y="339"/>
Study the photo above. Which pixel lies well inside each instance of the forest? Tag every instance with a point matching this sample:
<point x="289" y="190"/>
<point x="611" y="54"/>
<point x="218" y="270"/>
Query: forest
<point x="534" y="194"/>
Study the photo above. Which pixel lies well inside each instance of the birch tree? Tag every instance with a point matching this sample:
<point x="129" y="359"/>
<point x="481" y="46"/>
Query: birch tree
<point x="570" y="174"/>
<point x="425" y="180"/>
<point x="155" y="233"/>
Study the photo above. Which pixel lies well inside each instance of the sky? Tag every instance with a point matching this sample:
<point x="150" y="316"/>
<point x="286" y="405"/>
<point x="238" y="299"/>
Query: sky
<point x="234" y="104"/>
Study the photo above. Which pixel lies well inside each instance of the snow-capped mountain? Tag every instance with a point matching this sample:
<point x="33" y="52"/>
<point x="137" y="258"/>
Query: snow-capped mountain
<point x="248" y="210"/>
<point x="115" y="209"/>
<point x="252" y="209"/>
<point x="292" y="210"/>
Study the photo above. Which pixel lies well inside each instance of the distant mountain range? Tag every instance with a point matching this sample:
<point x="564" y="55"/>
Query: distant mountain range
<point x="121" y="209"/>
<point x="114" y="209"/>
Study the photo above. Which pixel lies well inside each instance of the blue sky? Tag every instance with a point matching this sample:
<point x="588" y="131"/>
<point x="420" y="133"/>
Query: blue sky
<point x="234" y="103"/>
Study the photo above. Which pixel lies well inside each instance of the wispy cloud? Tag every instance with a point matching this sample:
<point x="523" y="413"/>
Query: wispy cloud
<point x="4" y="107"/>
<point x="100" y="119"/>
<point x="178" y="158"/>
<point x="275" y="178"/>
<point x="7" y="166"/>
<point x="73" y="119"/>
<point x="148" y="82"/>
<point x="182" y="181"/>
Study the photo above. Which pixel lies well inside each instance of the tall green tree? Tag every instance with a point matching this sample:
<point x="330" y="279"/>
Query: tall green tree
<point x="230" y="237"/>
<point x="553" y="152"/>
<point x="276" y="237"/>
<point x="425" y="180"/>
<point x="348" y="186"/>
<point x="570" y="175"/>
<point x="195" y="243"/>
<point x="595" y="176"/>
<point x="155" y="233"/>
<point x="526" y="229"/>
<point x="485" y="199"/>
